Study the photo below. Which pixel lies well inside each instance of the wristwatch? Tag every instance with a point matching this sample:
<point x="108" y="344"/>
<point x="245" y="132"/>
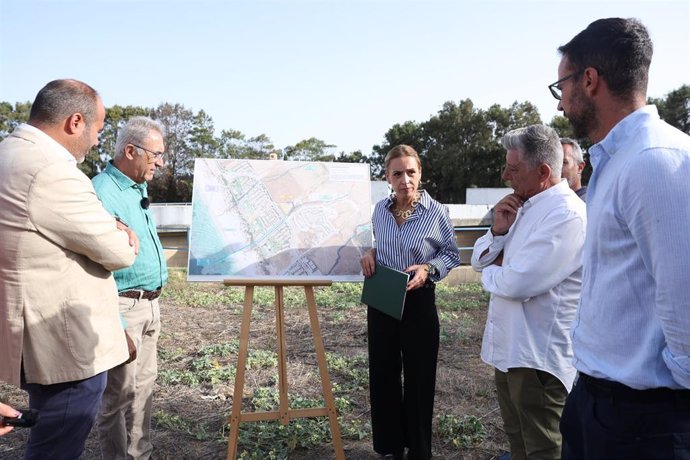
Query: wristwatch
<point x="431" y="269"/>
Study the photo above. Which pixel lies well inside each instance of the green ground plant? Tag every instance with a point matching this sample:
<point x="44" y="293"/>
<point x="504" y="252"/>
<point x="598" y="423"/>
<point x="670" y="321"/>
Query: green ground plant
<point x="462" y="432"/>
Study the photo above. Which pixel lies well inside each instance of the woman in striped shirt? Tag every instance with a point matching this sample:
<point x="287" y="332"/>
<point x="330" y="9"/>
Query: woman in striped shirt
<point x="413" y="234"/>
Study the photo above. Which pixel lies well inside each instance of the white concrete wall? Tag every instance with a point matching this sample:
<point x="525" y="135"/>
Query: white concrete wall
<point x="172" y="215"/>
<point x="379" y="191"/>
<point x="469" y="215"/>
<point x="489" y="196"/>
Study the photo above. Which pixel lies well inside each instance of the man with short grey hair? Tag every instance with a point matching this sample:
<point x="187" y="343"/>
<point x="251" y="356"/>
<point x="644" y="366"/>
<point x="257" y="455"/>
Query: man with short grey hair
<point x="125" y="417"/>
<point x="530" y="260"/>
<point x="573" y="164"/>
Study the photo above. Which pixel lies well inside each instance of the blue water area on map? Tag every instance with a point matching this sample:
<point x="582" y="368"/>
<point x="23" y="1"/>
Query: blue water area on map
<point x="207" y="243"/>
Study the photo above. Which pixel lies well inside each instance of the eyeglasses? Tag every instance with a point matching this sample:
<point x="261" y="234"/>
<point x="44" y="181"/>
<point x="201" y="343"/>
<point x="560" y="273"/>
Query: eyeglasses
<point x="556" y="90"/>
<point x="145" y="203"/>
<point x="156" y="155"/>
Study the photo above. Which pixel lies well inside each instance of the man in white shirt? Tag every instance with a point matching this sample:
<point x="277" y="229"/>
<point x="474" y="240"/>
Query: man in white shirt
<point x="631" y="336"/>
<point x="531" y="263"/>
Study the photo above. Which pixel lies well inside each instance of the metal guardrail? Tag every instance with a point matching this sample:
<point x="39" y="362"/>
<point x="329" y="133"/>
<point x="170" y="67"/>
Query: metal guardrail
<point x="482" y="228"/>
<point x="471" y="228"/>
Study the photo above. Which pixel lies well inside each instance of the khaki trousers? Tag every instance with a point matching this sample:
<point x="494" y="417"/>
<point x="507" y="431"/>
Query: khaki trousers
<point x="124" y="423"/>
<point x="531" y="403"/>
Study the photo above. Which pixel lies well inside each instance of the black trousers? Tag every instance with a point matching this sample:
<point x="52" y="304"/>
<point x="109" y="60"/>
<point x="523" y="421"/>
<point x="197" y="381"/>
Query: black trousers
<point x="402" y="409"/>
<point x="608" y="420"/>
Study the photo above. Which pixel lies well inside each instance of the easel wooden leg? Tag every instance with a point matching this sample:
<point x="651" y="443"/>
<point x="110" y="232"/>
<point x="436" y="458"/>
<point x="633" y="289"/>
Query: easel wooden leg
<point x="239" y="374"/>
<point x="284" y="414"/>
<point x="282" y="357"/>
<point x="323" y="370"/>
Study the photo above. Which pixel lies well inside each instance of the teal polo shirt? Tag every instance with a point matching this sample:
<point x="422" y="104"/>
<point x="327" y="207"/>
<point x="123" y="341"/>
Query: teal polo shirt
<point x="121" y="196"/>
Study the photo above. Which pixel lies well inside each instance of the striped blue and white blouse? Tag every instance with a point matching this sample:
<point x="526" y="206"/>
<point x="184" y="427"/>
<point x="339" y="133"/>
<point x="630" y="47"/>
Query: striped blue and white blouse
<point x="426" y="237"/>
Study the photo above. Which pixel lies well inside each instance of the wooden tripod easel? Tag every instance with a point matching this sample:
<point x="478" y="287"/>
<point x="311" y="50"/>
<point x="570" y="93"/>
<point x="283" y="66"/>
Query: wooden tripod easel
<point x="284" y="413"/>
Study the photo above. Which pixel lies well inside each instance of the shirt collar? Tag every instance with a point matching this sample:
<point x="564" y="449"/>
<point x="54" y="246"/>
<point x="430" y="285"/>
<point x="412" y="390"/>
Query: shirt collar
<point x="610" y="144"/>
<point x="120" y="179"/>
<point x="56" y="147"/>
<point x="541" y="196"/>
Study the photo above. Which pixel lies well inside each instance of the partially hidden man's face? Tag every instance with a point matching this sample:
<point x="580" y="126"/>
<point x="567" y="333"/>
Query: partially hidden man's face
<point x="90" y="134"/>
<point x="577" y="107"/>
<point x="571" y="169"/>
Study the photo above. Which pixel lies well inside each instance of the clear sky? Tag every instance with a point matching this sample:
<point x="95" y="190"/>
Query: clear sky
<point x="340" y="71"/>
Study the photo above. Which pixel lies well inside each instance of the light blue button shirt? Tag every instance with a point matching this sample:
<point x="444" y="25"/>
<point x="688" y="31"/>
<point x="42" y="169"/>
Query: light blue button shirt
<point x="633" y="323"/>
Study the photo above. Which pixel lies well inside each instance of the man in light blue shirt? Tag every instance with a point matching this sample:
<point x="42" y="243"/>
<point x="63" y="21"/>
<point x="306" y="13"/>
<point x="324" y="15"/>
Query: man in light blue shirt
<point x="631" y="335"/>
<point x="125" y="417"/>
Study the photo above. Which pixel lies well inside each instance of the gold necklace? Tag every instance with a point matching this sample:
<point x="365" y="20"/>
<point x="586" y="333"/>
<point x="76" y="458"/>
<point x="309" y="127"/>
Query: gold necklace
<point x="397" y="212"/>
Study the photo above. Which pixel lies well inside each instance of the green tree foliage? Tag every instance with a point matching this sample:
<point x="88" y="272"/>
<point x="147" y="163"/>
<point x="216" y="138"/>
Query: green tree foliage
<point x="234" y="144"/>
<point x="459" y="146"/>
<point x="261" y="147"/>
<point x="409" y="133"/>
<point x="188" y="136"/>
<point x="675" y="108"/>
<point x="231" y="144"/>
<point x="12" y="115"/>
<point x="311" y="149"/>
<point x="562" y="126"/>
<point x="353" y="157"/>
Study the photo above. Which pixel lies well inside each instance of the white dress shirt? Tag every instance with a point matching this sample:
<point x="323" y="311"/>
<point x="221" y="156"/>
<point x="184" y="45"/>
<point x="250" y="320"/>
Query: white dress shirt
<point x="534" y="294"/>
<point x="633" y="325"/>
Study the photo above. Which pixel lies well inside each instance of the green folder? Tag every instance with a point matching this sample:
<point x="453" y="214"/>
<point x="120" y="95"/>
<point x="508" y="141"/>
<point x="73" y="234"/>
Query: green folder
<point x="385" y="290"/>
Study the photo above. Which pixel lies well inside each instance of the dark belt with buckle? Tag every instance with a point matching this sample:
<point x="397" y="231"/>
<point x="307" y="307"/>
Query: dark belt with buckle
<point x="137" y="294"/>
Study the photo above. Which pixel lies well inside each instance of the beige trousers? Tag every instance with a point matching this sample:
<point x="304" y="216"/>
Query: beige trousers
<point x="124" y="422"/>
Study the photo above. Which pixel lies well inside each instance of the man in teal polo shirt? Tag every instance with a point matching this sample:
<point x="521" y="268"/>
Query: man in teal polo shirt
<point x="125" y="418"/>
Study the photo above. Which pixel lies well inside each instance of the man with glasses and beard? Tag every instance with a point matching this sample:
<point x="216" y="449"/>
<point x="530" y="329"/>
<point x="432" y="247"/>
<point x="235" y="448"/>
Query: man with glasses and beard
<point x="631" y="337"/>
<point x="59" y="327"/>
<point x="125" y="419"/>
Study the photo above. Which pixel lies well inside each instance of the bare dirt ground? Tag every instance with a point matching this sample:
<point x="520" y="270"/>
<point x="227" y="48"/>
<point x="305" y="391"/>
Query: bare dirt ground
<point x="198" y="352"/>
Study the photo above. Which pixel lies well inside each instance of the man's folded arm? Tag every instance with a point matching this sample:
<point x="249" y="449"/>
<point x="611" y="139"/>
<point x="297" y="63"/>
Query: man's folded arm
<point x="485" y="250"/>
<point x="64" y="208"/>
<point x="549" y="255"/>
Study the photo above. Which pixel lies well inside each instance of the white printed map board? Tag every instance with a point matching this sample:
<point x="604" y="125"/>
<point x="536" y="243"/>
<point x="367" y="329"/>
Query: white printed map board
<point x="283" y="220"/>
